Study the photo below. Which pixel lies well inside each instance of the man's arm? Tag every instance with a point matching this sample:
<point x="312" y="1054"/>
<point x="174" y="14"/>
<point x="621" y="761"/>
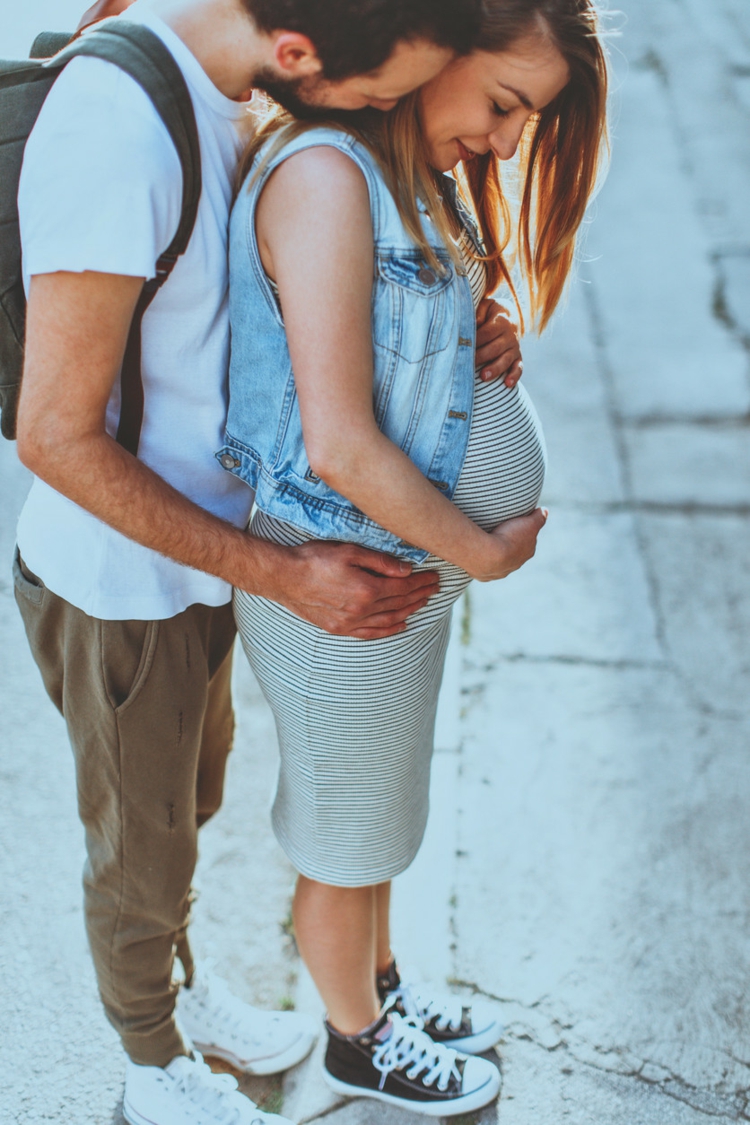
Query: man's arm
<point x="77" y="328"/>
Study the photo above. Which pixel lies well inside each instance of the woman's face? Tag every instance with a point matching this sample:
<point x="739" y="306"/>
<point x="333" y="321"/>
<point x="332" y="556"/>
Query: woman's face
<point x="483" y="101"/>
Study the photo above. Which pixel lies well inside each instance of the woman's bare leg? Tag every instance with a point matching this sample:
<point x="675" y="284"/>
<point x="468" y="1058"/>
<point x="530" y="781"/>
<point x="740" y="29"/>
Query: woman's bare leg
<point x="335" y="929"/>
<point x="383" y="954"/>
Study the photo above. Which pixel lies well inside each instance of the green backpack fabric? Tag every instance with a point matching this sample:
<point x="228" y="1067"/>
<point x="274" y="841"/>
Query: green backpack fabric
<point x="24" y="86"/>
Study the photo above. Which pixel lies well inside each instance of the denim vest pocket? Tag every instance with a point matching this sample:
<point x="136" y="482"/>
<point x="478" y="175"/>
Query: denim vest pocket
<point x="412" y="310"/>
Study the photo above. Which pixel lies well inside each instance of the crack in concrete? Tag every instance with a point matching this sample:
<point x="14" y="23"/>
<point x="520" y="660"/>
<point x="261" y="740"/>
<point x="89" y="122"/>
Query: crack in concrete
<point x="691" y="690"/>
<point x="706" y="1102"/>
<point x="656" y="507"/>
<point x="325" y="1113"/>
<point x="689" y="508"/>
<point x="607" y="375"/>
<point x="652" y="61"/>
<point x="616" y="664"/>
<point x="473" y="691"/>
<point x="702" y="421"/>
<point x="548" y="1036"/>
<point x="721" y="305"/>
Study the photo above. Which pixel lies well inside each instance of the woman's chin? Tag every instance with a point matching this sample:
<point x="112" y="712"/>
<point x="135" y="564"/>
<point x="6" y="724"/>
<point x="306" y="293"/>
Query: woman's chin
<point x="445" y="162"/>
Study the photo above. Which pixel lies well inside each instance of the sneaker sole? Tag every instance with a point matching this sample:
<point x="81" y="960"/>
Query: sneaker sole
<point x="467" y="1103"/>
<point x="133" y="1117"/>
<point x="476" y="1044"/>
<point x="273" y="1065"/>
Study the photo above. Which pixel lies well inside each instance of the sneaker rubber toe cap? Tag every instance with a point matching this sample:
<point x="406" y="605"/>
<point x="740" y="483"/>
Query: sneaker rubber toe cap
<point x="481" y="1076"/>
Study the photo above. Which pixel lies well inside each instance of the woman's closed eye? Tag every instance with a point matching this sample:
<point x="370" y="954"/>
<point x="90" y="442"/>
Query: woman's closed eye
<point x="499" y="111"/>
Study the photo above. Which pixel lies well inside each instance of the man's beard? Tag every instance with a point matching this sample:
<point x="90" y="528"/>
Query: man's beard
<point x="292" y="93"/>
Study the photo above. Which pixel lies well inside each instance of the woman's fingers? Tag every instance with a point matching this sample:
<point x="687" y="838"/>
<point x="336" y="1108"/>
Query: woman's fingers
<point x="519" y="536"/>
<point x="498" y="351"/>
<point x="513" y="374"/>
<point x="500" y="367"/>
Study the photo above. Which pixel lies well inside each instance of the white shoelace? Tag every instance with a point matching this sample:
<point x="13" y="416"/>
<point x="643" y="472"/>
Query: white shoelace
<point x="409" y="1048"/>
<point x="216" y="1094"/>
<point x="217" y="999"/>
<point x="447" y="1014"/>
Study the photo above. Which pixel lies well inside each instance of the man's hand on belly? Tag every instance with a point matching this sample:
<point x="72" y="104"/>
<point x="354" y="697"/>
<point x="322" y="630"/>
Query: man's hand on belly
<point x="347" y="590"/>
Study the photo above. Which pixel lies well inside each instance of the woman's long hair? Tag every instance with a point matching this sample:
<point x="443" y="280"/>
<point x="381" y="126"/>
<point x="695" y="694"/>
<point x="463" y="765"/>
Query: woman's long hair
<point x="560" y="155"/>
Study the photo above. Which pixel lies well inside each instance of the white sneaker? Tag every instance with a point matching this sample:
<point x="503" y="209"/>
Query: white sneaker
<point x="251" y="1040"/>
<point x="187" y="1093"/>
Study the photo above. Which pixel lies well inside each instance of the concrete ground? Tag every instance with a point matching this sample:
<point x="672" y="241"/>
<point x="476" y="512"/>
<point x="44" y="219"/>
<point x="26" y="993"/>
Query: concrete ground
<point x="586" y="865"/>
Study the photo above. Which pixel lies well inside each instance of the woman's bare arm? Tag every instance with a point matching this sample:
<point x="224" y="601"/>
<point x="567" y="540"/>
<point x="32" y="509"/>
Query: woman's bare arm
<point x="315" y="237"/>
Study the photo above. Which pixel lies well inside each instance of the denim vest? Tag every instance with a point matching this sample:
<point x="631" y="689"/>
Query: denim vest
<point x="424" y="329"/>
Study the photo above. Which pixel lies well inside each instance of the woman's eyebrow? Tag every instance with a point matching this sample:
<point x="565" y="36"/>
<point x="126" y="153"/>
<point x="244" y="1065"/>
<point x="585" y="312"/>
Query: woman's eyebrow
<point x="523" y="99"/>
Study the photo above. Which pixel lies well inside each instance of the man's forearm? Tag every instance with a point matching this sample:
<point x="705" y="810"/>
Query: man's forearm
<point x="100" y="476"/>
<point x="76" y="331"/>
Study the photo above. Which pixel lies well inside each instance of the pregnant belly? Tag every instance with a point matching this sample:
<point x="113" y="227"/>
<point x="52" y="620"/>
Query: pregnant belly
<point x="503" y="473"/>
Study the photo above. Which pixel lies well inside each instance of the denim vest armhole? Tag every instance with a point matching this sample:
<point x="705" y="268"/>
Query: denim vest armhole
<point x="323" y="137"/>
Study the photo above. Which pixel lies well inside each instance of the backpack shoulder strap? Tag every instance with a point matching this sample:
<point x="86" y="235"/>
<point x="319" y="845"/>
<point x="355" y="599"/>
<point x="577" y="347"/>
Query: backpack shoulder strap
<point x="48" y="43"/>
<point x="141" y="54"/>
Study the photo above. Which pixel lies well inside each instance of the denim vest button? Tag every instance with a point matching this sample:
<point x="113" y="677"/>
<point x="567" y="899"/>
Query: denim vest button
<point x="458" y="414"/>
<point x="464" y="342"/>
<point x="427" y="277"/>
<point x="441" y="484"/>
<point x="229" y="462"/>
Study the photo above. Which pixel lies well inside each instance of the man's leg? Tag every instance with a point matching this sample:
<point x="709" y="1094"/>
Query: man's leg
<point x="216" y="741"/>
<point x="218" y="724"/>
<point x="135" y="698"/>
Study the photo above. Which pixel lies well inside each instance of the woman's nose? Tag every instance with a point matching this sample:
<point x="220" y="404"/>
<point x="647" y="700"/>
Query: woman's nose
<point x="506" y="138"/>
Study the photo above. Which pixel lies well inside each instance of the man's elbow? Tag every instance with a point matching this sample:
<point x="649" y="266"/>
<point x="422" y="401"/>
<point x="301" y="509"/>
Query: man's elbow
<point x="28" y="443"/>
<point x="38" y="443"/>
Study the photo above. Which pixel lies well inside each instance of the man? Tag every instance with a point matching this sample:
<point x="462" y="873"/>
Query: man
<point x="125" y="565"/>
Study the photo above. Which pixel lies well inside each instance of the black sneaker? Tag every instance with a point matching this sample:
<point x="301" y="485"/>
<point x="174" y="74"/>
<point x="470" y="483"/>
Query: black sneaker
<point x="396" y="1062"/>
<point x="445" y="1019"/>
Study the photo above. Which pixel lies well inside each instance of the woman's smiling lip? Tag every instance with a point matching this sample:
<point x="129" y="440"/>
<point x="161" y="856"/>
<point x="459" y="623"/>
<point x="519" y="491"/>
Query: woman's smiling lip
<point x="466" y="153"/>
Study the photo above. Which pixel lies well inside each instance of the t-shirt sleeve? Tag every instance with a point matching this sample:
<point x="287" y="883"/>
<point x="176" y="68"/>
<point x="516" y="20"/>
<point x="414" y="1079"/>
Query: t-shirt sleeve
<point x="101" y="184"/>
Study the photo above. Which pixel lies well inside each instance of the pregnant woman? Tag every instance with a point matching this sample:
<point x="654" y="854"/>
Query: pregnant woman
<point x="356" y="414"/>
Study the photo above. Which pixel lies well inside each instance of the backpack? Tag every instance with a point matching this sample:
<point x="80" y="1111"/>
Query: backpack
<point x="24" y="86"/>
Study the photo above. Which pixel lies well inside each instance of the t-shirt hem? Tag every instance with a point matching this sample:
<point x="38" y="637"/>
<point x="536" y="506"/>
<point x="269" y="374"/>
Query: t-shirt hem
<point x="34" y="266"/>
<point x="125" y="607"/>
<point x="144" y="609"/>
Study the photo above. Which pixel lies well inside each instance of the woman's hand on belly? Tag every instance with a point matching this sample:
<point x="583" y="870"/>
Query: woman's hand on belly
<point x="498" y="347"/>
<point x="510" y="545"/>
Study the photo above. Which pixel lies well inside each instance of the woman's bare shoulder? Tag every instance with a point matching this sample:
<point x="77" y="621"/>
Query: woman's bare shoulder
<point x="320" y="172"/>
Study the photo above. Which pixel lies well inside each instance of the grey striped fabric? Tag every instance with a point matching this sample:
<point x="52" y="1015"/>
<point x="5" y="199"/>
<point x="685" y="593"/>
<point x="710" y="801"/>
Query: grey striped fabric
<point x="356" y="719"/>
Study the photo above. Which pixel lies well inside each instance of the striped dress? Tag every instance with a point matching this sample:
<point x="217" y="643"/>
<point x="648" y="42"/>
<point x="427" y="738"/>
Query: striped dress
<point x="356" y="719"/>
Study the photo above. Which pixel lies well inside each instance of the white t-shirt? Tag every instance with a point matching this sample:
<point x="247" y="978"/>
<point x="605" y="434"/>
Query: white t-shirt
<point x="101" y="190"/>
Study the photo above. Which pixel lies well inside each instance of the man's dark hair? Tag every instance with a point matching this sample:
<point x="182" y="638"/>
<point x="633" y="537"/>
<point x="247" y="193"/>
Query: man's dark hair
<point x="358" y="36"/>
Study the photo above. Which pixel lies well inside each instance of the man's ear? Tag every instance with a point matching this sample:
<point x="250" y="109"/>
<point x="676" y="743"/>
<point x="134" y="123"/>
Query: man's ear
<point x="295" y="55"/>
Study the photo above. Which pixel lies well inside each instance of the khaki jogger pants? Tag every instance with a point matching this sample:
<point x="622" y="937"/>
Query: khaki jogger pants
<point x="149" y="714"/>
